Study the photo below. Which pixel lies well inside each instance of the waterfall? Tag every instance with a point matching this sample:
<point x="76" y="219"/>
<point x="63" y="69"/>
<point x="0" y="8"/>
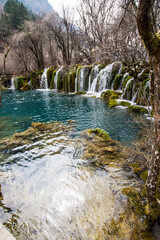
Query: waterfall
<point x="12" y="83"/>
<point x="134" y="98"/>
<point x="94" y="73"/>
<point x="81" y="79"/>
<point x="76" y="80"/>
<point x="43" y="82"/>
<point x="126" y="87"/>
<point x="56" y="78"/>
<point x="105" y="77"/>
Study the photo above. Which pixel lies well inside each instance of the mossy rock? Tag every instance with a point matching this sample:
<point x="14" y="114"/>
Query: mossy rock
<point x="113" y="103"/>
<point x="26" y="87"/>
<point x="100" y="132"/>
<point x="124" y="104"/>
<point x="81" y="93"/>
<point x="124" y="70"/>
<point x="18" y="82"/>
<point x="49" y="76"/>
<point x="52" y="86"/>
<point x="102" y="66"/>
<point x="135" y="200"/>
<point x="3" y="88"/>
<point x="125" y="80"/>
<point x="111" y="96"/>
<point x="114" y="96"/>
<point x="109" y="93"/>
<point x="71" y="75"/>
<point x="137" y="109"/>
<point x="117" y="82"/>
<point x="35" y="79"/>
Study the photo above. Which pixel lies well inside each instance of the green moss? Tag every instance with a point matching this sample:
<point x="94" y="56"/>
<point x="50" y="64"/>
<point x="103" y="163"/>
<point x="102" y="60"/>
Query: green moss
<point x="71" y="79"/>
<point x="100" y="132"/>
<point x="110" y="93"/>
<point x="52" y="80"/>
<point x="113" y="103"/>
<point x="143" y="77"/>
<point x="81" y="93"/>
<point x="117" y="81"/>
<point x="18" y="83"/>
<point x="136" y="168"/>
<point x="102" y="66"/>
<point x="145" y="82"/>
<point x="125" y="104"/>
<point x="26" y="87"/>
<point x="134" y="199"/>
<point x="111" y="96"/>
<point x="137" y="109"/>
<point x="124" y="70"/>
<point x="114" y="96"/>
<point x="126" y="80"/>
<point x="35" y="79"/>
<point x="144" y="175"/>
<point x="49" y="76"/>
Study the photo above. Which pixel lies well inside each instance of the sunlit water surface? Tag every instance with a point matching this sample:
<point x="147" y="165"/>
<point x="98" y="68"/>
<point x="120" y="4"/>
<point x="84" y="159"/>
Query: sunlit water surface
<point x="48" y="191"/>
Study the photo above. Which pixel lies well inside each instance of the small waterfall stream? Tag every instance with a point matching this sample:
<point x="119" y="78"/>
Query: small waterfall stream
<point x="12" y="83"/>
<point x="103" y="79"/>
<point x="43" y="82"/>
<point x="56" y="78"/>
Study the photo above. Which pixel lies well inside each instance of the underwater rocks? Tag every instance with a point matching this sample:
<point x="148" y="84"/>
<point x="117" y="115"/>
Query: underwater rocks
<point x="36" y="132"/>
<point x="101" y="152"/>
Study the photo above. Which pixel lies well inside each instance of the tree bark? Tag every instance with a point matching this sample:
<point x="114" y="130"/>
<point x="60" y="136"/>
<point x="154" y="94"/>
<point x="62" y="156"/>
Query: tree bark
<point x="145" y="24"/>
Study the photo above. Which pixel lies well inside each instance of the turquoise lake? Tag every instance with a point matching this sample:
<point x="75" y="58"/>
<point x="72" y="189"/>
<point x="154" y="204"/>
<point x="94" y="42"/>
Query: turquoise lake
<point x="48" y="189"/>
<point x="20" y="109"/>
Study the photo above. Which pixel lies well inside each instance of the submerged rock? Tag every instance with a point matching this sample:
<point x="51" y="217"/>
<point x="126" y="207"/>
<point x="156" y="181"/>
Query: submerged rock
<point x="121" y="220"/>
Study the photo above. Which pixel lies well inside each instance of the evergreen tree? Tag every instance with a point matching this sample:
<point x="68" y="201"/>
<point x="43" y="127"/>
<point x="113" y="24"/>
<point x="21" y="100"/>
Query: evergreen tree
<point x="15" y="13"/>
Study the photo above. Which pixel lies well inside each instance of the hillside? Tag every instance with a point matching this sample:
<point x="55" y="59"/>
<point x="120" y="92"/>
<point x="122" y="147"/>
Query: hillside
<point x="37" y="6"/>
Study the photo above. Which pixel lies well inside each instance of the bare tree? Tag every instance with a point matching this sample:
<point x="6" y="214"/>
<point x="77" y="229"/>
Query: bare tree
<point x="29" y="44"/>
<point x="64" y="33"/>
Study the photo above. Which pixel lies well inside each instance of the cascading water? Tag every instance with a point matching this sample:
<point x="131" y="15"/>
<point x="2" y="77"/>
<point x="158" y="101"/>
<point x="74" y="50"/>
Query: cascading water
<point x="134" y="98"/>
<point x="43" y="82"/>
<point x="104" y="78"/>
<point x="126" y="87"/>
<point x="94" y="73"/>
<point x="76" y="80"/>
<point x="56" y="78"/>
<point x="81" y="79"/>
<point x="12" y="84"/>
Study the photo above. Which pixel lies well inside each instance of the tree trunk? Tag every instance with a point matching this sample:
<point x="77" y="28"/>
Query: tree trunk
<point x="145" y="23"/>
<point x="154" y="167"/>
<point x="0" y="90"/>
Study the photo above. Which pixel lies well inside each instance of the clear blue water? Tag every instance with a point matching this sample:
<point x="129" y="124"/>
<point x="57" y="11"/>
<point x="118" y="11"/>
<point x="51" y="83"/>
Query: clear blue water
<point x="20" y="109"/>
